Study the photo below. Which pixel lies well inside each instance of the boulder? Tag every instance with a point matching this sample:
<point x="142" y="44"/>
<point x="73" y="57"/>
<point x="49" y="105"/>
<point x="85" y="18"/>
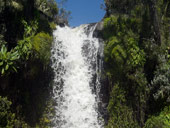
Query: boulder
<point x="62" y="22"/>
<point x="98" y="30"/>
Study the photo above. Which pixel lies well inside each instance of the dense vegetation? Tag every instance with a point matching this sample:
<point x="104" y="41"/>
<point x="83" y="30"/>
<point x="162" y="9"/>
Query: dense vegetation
<point x="25" y="40"/>
<point x="137" y="63"/>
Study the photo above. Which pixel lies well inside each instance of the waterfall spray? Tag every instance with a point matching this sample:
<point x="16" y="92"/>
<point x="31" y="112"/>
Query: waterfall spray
<point x="76" y="82"/>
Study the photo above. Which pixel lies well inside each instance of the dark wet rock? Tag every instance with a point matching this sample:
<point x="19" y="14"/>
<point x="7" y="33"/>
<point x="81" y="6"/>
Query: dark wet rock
<point x="98" y="30"/>
<point x="62" y="22"/>
<point x="104" y="90"/>
<point x="104" y="97"/>
<point x="87" y="29"/>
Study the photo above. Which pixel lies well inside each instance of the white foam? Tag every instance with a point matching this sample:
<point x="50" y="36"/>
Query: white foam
<point x="76" y="104"/>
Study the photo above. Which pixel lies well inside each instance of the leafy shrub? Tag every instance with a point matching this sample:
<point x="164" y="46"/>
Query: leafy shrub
<point x="8" y="60"/>
<point x="122" y="6"/>
<point x="136" y="56"/>
<point x="30" y="29"/>
<point x="7" y="118"/>
<point x="48" y="7"/>
<point x="24" y="48"/>
<point x="46" y="120"/>
<point x="114" y="50"/>
<point x="122" y="40"/>
<point x="122" y="52"/>
<point x="42" y="45"/>
<point x="52" y="25"/>
<point x="160" y="85"/>
<point x="160" y="121"/>
<point x="125" y="61"/>
<point x="121" y="116"/>
<point x="110" y="27"/>
<point x="115" y="24"/>
<point x="2" y="42"/>
<point x="4" y="111"/>
<point x="21" y="52"/>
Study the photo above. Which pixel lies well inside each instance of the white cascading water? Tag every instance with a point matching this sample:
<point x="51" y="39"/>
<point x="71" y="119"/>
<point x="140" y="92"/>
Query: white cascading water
<point x="76" y="80"/>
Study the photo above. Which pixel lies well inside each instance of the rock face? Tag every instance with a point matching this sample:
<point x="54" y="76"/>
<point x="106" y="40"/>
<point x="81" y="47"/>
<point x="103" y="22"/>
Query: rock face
<point x="98" y="31"/>
<point x="104" y="91"/>
<point x="62" y="22"/>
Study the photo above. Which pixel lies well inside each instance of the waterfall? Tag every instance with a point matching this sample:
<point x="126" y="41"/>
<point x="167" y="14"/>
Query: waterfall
<point x="76" y="82"/>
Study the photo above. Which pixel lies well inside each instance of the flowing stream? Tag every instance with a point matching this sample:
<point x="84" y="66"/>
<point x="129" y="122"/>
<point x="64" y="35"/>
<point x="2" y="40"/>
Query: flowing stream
<point x="76" y="64"/>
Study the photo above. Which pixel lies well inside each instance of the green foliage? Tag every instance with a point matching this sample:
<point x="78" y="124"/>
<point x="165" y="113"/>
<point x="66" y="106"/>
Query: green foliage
<point x="8" y="60"/>
<point x="159" y="121"/>
<point x="113" y="25"/>
<point x="13" y="4"/>
<point x="16" y="5"/>
<point x="49" y="7"/>
<point x="121" y="116"/>
<point x="19" y="53"/>
<point x="22" y="51"/>
<point x="122" y="6"/>
<point x="42" y="5"/>
<point x="136" y="35"/>
<point x="125" y="60"/>
<point x="46" y="119"/>
<point x="2" y="42"/>
<point x="53" y="8"/>
<point x="52" y="25"/>
<point x="122" y="52"/>
<point x="63" y="13"/>
<point x="24" y="48"/>
<point x="161" y="81"/>
<point x="4" y="110"/>
<point x="42" y="45"/>
<point x="110" y="27"/>
<point x="115" y="51"/>
<point x="136" y="56"/>
<point x="30" y="29"/>
<point x="7" y="118"/>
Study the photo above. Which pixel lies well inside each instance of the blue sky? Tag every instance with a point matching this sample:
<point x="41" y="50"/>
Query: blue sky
<point x="84" y="11"/>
